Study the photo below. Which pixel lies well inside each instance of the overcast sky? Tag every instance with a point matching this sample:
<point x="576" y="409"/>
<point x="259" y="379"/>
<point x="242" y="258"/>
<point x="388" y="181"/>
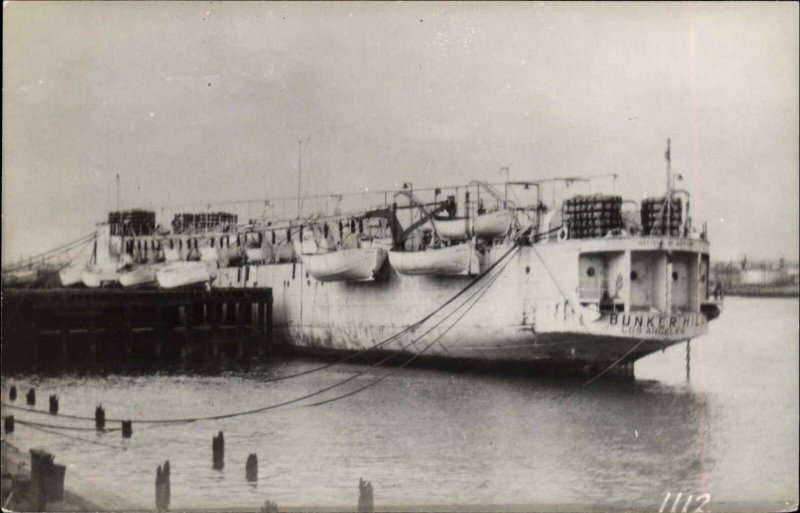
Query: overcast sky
<point x="200" y="102"/>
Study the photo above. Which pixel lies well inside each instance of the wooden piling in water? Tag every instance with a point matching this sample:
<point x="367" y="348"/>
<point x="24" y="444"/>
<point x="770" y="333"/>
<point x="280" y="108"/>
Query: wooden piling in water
<point x="12" y="393"/>
<point x="127" y="429"/>
<point x="47" y="478"/>
<point x="54" y="404"/>
<point x="365" y="499"/>
<point x="8" y="424"/>
<point x="30" y="398"/>
<point x="99" y="418"/>
<point x="218" y="452"/>
<point x="251" y="468"/>
<point x="163" y="487"/>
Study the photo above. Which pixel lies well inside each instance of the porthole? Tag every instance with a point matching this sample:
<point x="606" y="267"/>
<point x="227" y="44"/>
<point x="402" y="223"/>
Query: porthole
<point x="590" y="272"/>
<point x="634" y="275"/>
<point x="527" y="269"/>
<point x="674" y="276"/>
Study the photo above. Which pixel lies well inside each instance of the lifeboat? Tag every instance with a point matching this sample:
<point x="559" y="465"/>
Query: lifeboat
<point x="493" y="224"/>
<point x="71" y="276"/>
<point x="449" y="261"/>
<point x="21" y="277"/>
<point x="452" y="228"/>
<point x="187" y="274"/>
<point x="489" y="225"/>
<point x="359" y="264"/>
<point x="139" y="275"/>
<point x="182" y="274"/>
<point x="100" y="276"/>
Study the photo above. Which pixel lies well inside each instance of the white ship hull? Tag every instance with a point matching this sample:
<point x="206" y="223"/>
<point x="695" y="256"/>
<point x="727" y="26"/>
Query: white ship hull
<point x="539" y="309"/>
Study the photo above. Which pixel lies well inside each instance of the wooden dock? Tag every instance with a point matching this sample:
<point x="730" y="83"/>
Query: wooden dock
<point x="133" y="328"/>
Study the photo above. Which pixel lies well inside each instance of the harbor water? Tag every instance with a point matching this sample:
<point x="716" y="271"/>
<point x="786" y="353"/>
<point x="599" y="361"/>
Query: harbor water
<point x="438" y="437"/>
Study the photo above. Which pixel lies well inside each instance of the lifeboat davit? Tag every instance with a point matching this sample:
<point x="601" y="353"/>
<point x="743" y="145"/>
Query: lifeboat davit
<point x="358" y="264"/>
<point x="489" y="225"/>
<point x="449" y="261"/>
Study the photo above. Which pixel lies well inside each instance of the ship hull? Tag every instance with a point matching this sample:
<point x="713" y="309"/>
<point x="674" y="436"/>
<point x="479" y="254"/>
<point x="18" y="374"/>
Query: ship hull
<point x="530" y="312"/>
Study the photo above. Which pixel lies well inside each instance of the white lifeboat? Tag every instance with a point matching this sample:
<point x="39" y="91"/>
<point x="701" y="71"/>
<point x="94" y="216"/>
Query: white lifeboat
<point x="359" y="264"/>
<point x="455" y="228"/>
<point x="139" y="275"/>
<point x="492" y="224"/>
<point x="182" y="274"/>
<point x="22" y="277"/>
<point x="450" y="261"/>
<point x="100" y="276"/>
<point x="489" y="225"/>
<point x="187" y="274"/>
<point x="71" y="275"/>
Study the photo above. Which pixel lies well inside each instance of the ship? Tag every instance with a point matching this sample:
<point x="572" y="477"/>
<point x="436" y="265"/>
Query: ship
<point x="520" y="272"/>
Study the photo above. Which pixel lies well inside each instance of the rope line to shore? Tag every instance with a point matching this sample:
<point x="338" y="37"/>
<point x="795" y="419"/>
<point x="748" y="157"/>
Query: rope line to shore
<point x="416" y="355"/>
<point x="77" y="438"/>
<point x="325" y="389"/>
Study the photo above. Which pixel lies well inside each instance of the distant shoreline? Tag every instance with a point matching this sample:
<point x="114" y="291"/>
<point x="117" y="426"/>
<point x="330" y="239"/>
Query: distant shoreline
<point x="764" y="291"/>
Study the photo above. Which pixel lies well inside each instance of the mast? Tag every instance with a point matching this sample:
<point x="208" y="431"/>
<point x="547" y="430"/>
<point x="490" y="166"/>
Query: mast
<point x="668" y="198"/>
<point x="117" y="192"/>
<point x="299" y="173"/>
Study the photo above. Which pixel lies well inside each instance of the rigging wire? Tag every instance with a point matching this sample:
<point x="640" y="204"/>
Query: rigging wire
<point x="77" y="438"/>
<point x="53" y="252"/>
<point x="416" y="355"/>
<point x="312" y="394"/>
<point x="615" y="363"/>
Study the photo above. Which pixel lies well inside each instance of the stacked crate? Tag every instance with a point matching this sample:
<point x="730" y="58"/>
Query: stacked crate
<point x="592" y="216"/>
<point x="132" y="222"/>
<point x="204" y="221"/>
<point x="182" y="222"/>
<point x="655" y="222"/>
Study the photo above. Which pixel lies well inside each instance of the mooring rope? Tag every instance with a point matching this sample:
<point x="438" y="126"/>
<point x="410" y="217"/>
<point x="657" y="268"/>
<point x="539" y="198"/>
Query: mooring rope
<point x="312" y="394"/>
<point x="77" y="438"/>
<point x="416" y="355"/>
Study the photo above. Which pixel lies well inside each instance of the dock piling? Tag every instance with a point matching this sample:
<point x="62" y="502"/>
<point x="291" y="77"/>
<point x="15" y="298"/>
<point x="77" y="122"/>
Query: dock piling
<point x="8" y="424"/>
<point x="162" y="487"/>
<point x="251" y="468"/>
<point x="127" y="429"/>
<point x="47" y="478"/>
<point x="53" y="404"/>
<point x="30" y="398"/>
<point x="269" y="507"/>
<point x="99" y="418"/>
<point x="218" y="451"/>
<point x="365" y="499"/>
<point x="12" y="394"/>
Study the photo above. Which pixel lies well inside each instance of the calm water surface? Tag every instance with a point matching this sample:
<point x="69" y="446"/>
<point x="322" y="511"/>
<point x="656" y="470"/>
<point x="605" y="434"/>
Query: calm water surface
<point x="434" y="437"/>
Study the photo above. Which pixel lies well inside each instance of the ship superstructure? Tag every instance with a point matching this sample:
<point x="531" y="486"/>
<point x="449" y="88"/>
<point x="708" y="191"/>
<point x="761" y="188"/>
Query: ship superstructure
<point x="520" y="271"/>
